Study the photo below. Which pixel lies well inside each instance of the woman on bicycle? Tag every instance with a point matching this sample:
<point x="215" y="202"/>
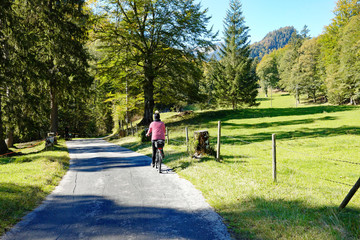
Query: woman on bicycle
<point x="157" y="128"/>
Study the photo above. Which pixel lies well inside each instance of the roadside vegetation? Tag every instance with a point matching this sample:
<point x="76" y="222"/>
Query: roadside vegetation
<point x="318" y="162"/>
<point x="27" y="178"/>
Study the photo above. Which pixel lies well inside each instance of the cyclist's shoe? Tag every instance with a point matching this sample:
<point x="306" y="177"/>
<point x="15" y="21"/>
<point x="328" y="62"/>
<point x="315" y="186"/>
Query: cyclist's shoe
<point x="152" y="164"/>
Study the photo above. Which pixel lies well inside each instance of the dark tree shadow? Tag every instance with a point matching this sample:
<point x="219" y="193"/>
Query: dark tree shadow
<point x="89" y="217"/>
<point x="13" y="203"/>
<point x="301" y="133"/>
<point x="207" y="118"/>
<point x="33" y="156"/>
<point x="277" y="123"/>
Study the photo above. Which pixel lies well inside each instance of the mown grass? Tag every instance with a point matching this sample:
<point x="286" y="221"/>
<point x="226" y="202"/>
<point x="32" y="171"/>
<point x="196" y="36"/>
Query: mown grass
<point x="312" y="143"/>
<point x="26" y="179"/>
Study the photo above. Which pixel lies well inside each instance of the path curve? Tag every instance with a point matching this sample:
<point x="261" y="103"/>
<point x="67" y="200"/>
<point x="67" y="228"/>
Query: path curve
<point x="111" y="192"/>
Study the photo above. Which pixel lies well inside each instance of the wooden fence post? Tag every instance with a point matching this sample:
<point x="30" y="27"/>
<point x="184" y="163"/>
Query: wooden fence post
<point x="187" y="139"/>
<point x="167" y="134"/>
<point x="218" y="141"/>
<point x="274" y="156"/>
<point x="132" y="129"/>
<point x="350" y="194"/>
<point x="136" y="128"/>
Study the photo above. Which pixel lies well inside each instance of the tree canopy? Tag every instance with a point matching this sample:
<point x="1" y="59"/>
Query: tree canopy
<point x="156" y="38"/>
<point x="235" y="78"/>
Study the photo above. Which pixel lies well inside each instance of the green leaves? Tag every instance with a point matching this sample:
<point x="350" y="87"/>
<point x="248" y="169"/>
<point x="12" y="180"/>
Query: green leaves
<point x="267" y="71"/>
<point x="158" y="42"/>
<point x="45" y="54"/>
<point x="234" y="78"/>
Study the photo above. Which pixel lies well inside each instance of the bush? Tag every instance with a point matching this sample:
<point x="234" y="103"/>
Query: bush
<point x="142" y="135"/>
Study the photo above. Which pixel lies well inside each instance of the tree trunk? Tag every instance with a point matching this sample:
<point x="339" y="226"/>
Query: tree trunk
<point x="54" y="111"/>
<point x="10" y="138"/>
<point x="3" y="147"/>
<point x="127" y="102"/>
<point x="148" y="96"/>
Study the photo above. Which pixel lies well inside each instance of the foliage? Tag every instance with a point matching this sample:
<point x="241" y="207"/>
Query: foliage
<point x="306" y="69"/>
<point x="143" y="137"/>
<point x="150" y="39"/>
<point x="330" y="45"/>
<point x="233" y="75"/>
<point x="62" y="56"/>
<point x="350" y="60"/>
<point x="267" y="71"/>
<point x="44" y="69"/>
<point x="322" y="68"/>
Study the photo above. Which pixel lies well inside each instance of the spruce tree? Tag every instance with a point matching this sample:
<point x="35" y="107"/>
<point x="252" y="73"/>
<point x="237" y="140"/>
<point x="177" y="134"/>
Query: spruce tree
<point x="8" y="41"/>
<point x="237" y="82"/>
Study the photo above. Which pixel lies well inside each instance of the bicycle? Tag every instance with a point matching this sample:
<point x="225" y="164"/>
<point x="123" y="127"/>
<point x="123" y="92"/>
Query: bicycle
<point x="159" y="144"/>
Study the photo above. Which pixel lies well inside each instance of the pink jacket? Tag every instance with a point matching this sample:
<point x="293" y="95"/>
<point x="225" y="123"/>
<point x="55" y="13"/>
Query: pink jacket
<point x="157" y="128"/>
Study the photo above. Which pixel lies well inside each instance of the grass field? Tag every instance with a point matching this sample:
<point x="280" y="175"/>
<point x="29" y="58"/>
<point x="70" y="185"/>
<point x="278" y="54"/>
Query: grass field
<point x="318" y="161"/>
<point x="25" y="180"/>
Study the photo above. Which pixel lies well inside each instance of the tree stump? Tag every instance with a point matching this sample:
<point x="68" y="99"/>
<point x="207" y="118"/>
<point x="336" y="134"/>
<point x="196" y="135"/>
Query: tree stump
<point x="202" y="145"/>
<point x="54" y="135"/>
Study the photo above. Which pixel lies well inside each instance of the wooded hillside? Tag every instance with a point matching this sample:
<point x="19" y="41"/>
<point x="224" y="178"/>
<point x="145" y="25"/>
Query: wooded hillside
<point x="272" y="41"/>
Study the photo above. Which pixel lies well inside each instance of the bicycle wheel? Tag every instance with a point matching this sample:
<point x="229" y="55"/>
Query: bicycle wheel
<point x="156" y="159"/>
<point x="160" y="160"/>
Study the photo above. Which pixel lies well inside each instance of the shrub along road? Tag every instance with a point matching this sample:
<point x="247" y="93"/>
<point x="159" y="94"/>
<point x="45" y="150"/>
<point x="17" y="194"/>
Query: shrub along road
<point x="112" y="193"/>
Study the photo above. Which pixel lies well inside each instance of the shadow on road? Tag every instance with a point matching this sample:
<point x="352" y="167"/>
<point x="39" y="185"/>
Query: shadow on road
<point x="74" y="217"/>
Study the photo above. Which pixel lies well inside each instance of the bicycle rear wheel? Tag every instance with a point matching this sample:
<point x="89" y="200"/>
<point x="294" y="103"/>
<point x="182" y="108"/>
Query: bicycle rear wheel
<point x="159" y="160"/>
<point x="156" y="159"/>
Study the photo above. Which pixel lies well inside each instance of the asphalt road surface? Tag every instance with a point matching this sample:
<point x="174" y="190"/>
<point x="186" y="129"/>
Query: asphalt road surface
<point x="111" y="192"/>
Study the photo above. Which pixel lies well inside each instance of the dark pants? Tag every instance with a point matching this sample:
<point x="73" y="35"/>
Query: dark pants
<point x="154" y="152"/>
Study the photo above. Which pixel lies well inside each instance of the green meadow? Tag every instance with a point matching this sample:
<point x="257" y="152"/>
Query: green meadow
<point x="26" y="179"/>
<point x="318" y="161"/>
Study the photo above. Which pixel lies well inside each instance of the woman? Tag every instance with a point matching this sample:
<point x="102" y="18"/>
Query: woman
<point x="157" y="128"/>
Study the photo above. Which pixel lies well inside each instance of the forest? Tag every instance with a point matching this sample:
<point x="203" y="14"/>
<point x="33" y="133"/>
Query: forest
<point x="272" y="41"/>
<point x="93" y="66"/>
<point x="324" y="68"/>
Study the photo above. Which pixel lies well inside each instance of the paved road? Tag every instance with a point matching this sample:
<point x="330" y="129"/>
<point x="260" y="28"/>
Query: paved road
<point x="112" y="193"/>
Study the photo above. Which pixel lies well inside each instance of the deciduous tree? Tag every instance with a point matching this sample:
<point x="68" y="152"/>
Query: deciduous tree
<point x="153" y="36"/>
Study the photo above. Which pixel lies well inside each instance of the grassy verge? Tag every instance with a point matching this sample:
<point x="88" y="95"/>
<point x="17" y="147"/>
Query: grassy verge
<point x="25" y="180"/>
<point x="315" y="145"/>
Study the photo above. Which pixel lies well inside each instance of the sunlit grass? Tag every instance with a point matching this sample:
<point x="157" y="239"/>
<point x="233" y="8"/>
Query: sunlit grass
<point x="25" y="180"/>
<point x="313" y="141"/>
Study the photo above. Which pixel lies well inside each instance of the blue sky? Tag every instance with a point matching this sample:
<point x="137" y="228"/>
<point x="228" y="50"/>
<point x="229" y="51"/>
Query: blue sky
<point x="263" y="16"/>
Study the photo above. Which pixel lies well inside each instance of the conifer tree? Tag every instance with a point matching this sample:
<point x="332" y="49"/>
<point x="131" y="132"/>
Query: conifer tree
<point x="236" y="81"/>
<point x="61" y="53"/>
<point x="6" y="17"/>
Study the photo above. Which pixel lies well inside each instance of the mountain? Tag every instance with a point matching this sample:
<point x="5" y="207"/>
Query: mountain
<point x="273" y="40"/>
